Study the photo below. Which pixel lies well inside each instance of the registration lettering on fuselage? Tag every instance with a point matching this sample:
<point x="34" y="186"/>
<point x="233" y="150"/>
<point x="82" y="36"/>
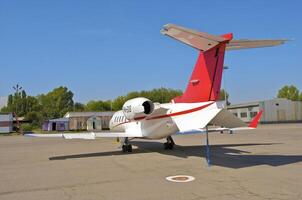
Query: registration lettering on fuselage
<point x="127" y="109"/>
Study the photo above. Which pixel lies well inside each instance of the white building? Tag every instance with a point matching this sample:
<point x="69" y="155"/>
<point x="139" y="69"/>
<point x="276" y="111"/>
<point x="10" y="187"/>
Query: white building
<point x="89" y="120"/>
<point x="6" y="122"/>
<point x="277" y="110"/>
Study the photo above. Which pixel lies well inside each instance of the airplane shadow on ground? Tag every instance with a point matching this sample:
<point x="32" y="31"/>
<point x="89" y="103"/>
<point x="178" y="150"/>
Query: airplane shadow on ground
<point x="225" y="155"/>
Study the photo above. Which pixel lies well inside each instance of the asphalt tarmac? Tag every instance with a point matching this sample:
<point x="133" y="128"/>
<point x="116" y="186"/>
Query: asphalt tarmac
<point x="261" y="164"/>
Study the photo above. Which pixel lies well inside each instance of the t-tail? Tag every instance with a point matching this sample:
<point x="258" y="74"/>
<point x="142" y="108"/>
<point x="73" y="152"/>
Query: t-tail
<point x="205" y="82"/>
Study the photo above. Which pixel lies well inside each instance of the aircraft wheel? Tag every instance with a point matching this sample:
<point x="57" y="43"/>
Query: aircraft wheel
<point x="129" y="148"/>
<point x="124" y="148"/>
<point x="170" y="146"/>
<point x="166" y="145"/>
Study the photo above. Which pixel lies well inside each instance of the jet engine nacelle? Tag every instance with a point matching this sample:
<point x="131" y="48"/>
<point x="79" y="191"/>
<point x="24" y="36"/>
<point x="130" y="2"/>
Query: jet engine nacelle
<point x="138" y="107"/>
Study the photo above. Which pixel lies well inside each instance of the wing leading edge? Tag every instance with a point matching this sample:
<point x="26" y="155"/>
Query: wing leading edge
<point x="88" y="135"/>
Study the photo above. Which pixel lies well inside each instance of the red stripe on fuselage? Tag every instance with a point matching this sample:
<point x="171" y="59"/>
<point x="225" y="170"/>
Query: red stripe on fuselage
<point x="169" y="115"/>
<point x="121" y="124"/>
<point x="139" y="118"/>
<point x="181" y="112"/>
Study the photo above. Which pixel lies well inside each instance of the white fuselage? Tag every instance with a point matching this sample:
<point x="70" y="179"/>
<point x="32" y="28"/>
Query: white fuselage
<point x="168" y="121"/>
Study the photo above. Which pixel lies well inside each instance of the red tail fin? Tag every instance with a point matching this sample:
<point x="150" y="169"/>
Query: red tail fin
<point x="205" y="81"/>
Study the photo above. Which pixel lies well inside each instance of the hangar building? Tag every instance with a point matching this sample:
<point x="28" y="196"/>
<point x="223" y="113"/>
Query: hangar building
<point x="74" y="121"/>
<point x="277" y="110"/>
<point x="60" y="124"/>
<point x="89" y="120"/>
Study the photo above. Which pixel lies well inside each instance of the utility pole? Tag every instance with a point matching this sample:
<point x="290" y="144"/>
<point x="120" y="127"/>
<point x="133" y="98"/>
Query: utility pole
<point x="17" y="89"/>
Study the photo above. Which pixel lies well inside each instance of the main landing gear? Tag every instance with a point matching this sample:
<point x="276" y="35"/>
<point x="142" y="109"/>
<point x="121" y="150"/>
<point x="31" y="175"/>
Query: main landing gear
<point x="169" y="144"/>
<point x="126" y="147"/>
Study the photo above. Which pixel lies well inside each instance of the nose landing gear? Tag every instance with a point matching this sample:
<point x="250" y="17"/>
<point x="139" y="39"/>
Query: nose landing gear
<point x="126" y="147"/>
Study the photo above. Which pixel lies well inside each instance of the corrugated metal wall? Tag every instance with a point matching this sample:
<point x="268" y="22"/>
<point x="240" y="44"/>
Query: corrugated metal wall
<point x="281" y="110"/>
<point x="274" y="111"/>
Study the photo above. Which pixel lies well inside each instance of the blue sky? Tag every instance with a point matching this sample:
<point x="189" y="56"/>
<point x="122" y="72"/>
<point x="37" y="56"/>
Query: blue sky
<point x="102" y="49"/>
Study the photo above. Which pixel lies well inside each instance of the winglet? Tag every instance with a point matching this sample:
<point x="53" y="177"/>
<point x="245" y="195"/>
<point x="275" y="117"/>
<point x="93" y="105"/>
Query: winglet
<point x="256" y="119"/>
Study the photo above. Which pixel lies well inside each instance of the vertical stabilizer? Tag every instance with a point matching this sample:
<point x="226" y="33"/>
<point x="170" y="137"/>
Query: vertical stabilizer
<point x="204" y="84"/>
<point x="205" y="81"/>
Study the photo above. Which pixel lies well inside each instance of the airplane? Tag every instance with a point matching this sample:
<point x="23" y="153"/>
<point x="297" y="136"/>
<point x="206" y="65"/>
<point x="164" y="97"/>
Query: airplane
<point x="193" y="111"/>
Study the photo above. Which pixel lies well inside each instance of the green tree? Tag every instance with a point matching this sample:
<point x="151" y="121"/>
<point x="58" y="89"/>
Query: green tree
<point x="26" y="106"/>
<point x="98" y="106"/>
<point x="78" y="107"/>
<point x="21" y="103"/>
<point x="118" y="103"/>
<point x="93" y="106"/>
<point x="46" y="106"/>
<point x="35" y="118"/>
<point x="161" y="95"/>
<point x="223" y="95"/>
<point x="32" y="104"/>
<point x="107" y="105"/>
<point x="289" y="92"/>
<point x="10" y="100"/>
<point x="57" y="102"/>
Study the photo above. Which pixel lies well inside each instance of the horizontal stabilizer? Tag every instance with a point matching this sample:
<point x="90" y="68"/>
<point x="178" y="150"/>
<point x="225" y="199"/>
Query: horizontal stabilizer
<point x="199" y="40"/>
<point x="247" y="44"/>
<point x="204" y="41"/>
<point x="227" y="119"/>
<point x="198" y="118"/>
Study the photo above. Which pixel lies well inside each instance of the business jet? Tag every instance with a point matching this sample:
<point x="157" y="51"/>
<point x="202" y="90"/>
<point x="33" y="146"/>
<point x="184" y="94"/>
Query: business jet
<point x="193" y="111"/>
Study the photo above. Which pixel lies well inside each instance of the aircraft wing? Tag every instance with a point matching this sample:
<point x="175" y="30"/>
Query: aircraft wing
<point x="88" y="135"/>
<point x="247" y="44"/>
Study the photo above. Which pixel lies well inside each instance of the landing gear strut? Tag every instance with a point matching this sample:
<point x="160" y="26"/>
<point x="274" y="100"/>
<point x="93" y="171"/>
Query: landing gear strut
<point x="126" y="147"/>
<point x="208" y="156"/>
<point x="169" y="144"/>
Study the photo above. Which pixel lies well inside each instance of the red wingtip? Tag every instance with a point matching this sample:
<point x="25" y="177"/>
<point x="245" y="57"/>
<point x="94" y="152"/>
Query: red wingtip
<point x="256" y="119"/>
